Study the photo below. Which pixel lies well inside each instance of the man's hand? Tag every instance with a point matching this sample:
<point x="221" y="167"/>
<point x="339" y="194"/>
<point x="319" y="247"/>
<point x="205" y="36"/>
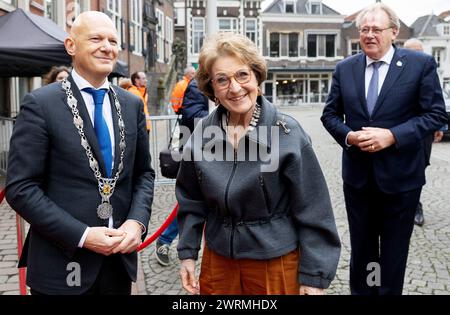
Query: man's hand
<point x="353" y="138"/>
<point x="103" y="240"/>
<point x="305" y="290"/>
<point x="438" y="136"/>
<point x="132" y="240"/>
<point x="375" y="139"/>
<point x="187" y="274"/>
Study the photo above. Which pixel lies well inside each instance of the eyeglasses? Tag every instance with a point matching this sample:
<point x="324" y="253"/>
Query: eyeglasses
<point x="375" y="30"/>
<point x="241" y="76"/>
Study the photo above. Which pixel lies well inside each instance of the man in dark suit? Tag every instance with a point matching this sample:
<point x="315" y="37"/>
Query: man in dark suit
<point x="419" y="219"/>
<point x="382" y="104"/>
<point x="79" y="172"/>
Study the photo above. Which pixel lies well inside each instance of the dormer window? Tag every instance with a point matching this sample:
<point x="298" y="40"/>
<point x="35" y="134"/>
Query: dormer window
<point x="446" y="30"/>
<point x="289" y="6"/>
<point x="315" y="7"/>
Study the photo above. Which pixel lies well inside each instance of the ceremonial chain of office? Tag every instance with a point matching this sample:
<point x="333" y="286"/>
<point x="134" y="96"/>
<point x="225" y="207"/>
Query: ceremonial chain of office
<point x="105" y="185"/>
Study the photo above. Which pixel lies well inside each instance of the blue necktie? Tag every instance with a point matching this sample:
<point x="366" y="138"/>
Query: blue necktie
<point x="372" y="93"/>
<point x="101" y="128"/>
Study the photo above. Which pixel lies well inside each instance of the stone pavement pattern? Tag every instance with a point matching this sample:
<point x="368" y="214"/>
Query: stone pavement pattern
<point x="428" y="270"/>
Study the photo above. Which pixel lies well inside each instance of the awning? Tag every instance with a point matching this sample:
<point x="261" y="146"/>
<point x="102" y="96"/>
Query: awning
<point x="30" y="45"/>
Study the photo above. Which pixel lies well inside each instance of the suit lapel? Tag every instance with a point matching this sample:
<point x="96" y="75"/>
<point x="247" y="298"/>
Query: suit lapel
<point x="87" y="125"/>
<point x="116" y="132"/>
<point x="359" y="70"/>
<point x="395" y="68"/>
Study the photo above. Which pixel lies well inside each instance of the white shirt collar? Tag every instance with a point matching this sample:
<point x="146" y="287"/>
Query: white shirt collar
<point x="387" y="58"/>
<point x="83" y="83"/>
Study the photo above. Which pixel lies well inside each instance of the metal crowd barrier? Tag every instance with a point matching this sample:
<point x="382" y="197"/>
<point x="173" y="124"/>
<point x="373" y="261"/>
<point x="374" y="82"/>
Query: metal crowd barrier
<point x="162" y="127"/>
<point x="6" y="127"/>
<point x="159" y="139"/>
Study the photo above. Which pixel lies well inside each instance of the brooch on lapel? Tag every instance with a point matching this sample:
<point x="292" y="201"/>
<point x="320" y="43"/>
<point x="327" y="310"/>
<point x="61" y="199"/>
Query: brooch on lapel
<point x="399" y="63"/>
<point x="283" y="125"/>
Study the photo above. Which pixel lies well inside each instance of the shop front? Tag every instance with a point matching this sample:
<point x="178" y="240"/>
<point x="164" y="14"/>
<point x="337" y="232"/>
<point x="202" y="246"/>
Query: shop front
<point x="297" y="88"/>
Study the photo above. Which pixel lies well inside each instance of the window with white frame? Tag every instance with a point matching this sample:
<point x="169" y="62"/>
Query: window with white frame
<point x="198" y="33"/>
<point x="274" y="46"/>
<point x="289" y="6"/>
<point x="446" y="30"/>
<point x="74" y="8"/>
<point x="293" y="45"/>
<point x="446" y="84"/>
<point x="80" y="6"/>
<point x="228" y="25"/>
<point x="169" y="33"/>
<point x="160" y="35"/>
<point x="437" y="53"/>
<point x="179" y="16"/>
<point x="114" y="8"/>
<point x="250" y="29"/>
<point x="315" y="7"/>
<point x="321" y="45"/>
<point x="136" y="26"/>
<point x="51" y="10"/>
<point x="284" y="45"/>
<point x="355" y="48"/>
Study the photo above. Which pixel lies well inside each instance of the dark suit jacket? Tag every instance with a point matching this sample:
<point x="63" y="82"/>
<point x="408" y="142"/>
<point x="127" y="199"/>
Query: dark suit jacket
<point x="50" y="184"/>
<point x="410" y="104"/>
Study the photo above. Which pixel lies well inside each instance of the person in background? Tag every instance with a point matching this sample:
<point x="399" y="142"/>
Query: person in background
<point x="139" y="88"/>
<point x="268" y="229"/>
<point x="179" y="89"/>
<point x="382" y="103"/>
<point x="56" y="74"/>
<point x="195" y="106"/>
<point x="125" y="83"/>
<point x="419" y="219"/>
<point x="79" y="172"/>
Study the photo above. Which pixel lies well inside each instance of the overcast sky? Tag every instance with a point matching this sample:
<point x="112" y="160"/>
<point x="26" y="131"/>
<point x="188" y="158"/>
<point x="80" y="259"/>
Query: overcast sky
<point x="408" y="11"/>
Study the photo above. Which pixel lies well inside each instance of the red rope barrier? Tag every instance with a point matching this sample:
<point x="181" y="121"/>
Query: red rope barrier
<point x="22" y="271"/>
<point x="161" y="229"/>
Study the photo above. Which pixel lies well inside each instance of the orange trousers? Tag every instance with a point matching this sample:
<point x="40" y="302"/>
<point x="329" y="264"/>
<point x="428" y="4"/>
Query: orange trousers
<point x="225" y="276"/>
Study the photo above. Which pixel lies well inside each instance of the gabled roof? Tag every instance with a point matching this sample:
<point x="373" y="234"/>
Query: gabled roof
<point x="277" y="7"/>
<point x="426" y="25"/>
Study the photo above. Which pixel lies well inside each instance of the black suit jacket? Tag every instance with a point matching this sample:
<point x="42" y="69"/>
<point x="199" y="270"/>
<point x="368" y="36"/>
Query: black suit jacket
<point x="50" y="184"/>
<point x="410" y="104"/>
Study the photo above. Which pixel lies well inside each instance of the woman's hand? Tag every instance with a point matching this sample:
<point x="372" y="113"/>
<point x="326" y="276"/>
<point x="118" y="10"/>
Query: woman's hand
<point x="305" y="290"/>
<point x="187" y="274"/>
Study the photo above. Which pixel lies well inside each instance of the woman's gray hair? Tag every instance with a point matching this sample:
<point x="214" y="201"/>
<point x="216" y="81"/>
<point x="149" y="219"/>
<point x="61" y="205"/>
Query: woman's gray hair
<point x="394" y="21"/>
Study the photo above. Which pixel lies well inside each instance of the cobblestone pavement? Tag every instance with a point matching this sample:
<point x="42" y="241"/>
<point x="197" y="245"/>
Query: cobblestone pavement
<point x="428" y="270"/>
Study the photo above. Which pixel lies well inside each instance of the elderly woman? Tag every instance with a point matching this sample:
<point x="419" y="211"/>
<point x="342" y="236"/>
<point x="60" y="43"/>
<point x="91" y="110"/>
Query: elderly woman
<point x="250" y="180"/>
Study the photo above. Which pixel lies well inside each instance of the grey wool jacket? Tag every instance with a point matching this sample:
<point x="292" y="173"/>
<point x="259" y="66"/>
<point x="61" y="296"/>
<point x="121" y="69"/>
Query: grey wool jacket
<point x="261" y="201"/>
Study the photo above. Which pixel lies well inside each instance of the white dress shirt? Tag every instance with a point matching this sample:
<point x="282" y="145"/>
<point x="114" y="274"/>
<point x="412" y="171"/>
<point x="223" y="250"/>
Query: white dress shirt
<point x="382" y="72"/>
<point x="107" y="115"/>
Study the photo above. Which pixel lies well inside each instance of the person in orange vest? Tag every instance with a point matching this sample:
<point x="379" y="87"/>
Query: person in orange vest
<point x="180" y="88"/>
<point x="139" y="88"/>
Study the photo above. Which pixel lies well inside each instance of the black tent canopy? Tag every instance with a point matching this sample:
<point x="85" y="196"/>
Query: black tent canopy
<point x="30" y="45"/>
